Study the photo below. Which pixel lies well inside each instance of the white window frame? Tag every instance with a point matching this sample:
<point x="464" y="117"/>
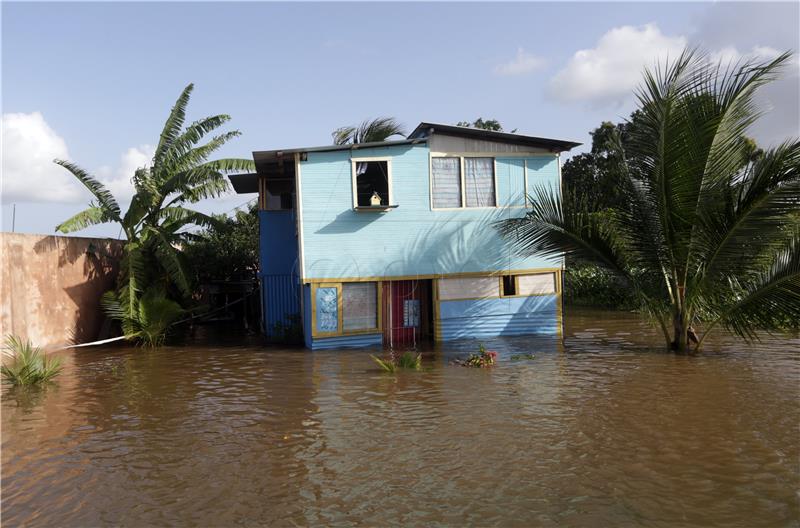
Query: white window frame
<point x="461" y="158"/>
<point x="353" y="179"/>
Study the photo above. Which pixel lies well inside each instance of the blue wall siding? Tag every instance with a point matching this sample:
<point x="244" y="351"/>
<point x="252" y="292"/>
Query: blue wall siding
<point x="510" y="181"/>
<point x="498" y="317"/>
<point x="412" y="239"/>
<point x="307" y="315"/>
<point x="278" y="268"/>
<point x="349" y="341"/>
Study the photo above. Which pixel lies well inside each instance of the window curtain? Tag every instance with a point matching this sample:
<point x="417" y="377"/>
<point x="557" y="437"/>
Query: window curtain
<point x="479" y="178"/>
<point x="359" y="305"/>
<point x="446" y="182"/>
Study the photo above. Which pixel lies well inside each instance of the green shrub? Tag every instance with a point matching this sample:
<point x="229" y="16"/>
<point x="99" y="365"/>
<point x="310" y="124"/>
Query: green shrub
<point x="28" y="364"/>
<point x="406" y="361"/>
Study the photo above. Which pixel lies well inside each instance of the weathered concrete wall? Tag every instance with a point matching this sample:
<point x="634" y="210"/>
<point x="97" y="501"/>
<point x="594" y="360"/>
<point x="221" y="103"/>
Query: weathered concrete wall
<point x="50" y="286"/>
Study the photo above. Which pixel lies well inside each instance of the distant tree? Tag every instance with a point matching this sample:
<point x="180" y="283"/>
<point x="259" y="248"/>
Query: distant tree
<point x="369" y="131"/>
<point x="484" y="124"/>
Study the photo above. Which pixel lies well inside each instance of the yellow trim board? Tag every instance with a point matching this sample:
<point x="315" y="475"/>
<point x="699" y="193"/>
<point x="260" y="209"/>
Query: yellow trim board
<point x="310" y="280"/>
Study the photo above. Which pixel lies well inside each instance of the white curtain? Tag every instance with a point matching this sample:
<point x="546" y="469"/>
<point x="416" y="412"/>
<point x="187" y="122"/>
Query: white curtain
<point x="359" y="305"/>
<point x="479" y="179"/>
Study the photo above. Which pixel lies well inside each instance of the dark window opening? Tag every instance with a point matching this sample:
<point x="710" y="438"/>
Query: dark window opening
<point x="509" y="285"/>
<point x="286" y="201"/>
<point x="372" y="180"/>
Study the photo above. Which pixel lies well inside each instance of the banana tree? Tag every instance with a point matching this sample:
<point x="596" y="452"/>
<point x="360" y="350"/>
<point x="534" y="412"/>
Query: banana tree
<point x="709" y="236"/>
<point x="155" y="222"/>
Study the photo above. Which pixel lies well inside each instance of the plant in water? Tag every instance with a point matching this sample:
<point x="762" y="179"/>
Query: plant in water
<point x="407" y="360"/>
<point x="147" y="319"/>
<point x="518" y="357"/>
<point x="484" y="358"/>
<point x="27" y="364"/>
<point x="708" y="232"/>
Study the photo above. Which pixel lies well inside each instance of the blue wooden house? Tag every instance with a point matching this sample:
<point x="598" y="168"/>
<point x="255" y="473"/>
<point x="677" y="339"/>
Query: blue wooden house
<point x="392" y="243"/>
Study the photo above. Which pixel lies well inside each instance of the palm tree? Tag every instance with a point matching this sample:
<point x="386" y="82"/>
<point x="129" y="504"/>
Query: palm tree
<point x="711" y="233"/>
<point x="369" y="131"/>
<point x="155" y="222"/>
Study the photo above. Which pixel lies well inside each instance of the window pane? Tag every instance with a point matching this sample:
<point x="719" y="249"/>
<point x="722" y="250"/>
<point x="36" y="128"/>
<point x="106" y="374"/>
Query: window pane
<point x="327" y="310"/>
<point x="372" y="177"/>
<point x="539" y="284"/>
<point x="469" y="288"/>
<point x="446" y="182"/>
<point x="479" y="181"/>
<point x="360" y="305"/>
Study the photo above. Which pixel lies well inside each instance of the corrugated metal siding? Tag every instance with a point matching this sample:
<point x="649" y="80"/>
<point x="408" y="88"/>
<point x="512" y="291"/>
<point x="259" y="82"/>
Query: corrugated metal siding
<point x="278" y="268"/>
<point x="498" y="317"/>
<point x="351" y="341"/>
<point x="307" y="315"/>
<point x="409" y="240"/>
<point x="281" y="300"/>
<point x="442" y="143"/>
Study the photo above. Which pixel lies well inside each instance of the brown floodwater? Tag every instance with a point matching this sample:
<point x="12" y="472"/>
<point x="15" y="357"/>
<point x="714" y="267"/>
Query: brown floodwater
<point x="603" y="429"/>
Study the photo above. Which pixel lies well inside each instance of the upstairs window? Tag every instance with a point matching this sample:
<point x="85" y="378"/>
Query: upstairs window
<point x="479" y="179"/>
<point x="371" y="182"/>
<point x="462" y="182"/>
<point x="446" y="173"/>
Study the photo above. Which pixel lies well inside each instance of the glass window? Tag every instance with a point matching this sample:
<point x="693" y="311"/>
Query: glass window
<point x="359" y="305"/>
<point x="479" y="182"/>
<point x="327" y="309"/>
<point x="446" y="174"/>
<point x="372" y="180"/>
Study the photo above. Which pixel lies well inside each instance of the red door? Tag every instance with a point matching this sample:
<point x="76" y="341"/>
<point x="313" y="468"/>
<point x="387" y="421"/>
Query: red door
<point x="406" y="312"/>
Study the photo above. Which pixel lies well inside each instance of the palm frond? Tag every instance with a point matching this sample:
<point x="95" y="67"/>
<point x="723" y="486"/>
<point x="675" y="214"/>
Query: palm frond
<point x="104" y="198"/>
<point x="88" y="217"/>
<point x="369" y="131"/>
<point x="173" y="125"/>
<point x="168" y="258"/>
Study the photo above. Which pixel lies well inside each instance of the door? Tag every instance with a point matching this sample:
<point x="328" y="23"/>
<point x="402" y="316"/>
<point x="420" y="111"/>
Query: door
<point x="407" y="309"/>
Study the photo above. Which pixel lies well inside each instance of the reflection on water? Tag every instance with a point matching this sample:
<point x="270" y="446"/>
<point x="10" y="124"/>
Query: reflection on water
<point x="604" y="429"/>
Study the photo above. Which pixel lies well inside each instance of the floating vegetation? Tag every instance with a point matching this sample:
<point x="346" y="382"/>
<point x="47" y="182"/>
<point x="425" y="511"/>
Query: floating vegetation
<point x="483" y="359"/>
<point x="406" y="361"/>
<point x="520" y="357"/>
<point x="28" y="364"/>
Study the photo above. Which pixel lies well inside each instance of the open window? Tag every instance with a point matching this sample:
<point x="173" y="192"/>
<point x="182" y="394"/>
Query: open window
<point x="509" y="285"/>
<point x="372" y="184"/>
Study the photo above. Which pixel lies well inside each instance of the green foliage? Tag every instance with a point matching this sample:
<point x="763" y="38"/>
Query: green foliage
<point x="27" y="364"/>
<point x="483" y="359"/>
<point x="484" y="124"/>
<point x="706" y="229"/>
<point x="227" y="250"/>
<point x="590" y="285"/>
<point x="369" y="131"/>
<point x="157" y="220"/>
<point x="407" y="361"/>
<point x="147" y="319"/>
<point x="289" y="331"/>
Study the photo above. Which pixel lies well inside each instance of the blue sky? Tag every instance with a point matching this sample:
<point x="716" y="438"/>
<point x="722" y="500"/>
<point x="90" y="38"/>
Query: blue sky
<point x="95" y="81"/>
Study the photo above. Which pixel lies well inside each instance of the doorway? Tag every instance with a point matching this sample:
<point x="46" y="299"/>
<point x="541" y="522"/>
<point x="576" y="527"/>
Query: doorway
<point x="408" y="312"/>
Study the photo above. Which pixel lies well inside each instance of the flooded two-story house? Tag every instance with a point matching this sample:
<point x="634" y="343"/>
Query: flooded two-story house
<point x="393" y="243"/>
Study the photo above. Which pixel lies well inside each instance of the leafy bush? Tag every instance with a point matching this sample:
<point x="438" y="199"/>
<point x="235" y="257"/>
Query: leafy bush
<point x="590" y="285"/>
<point x="147" y="319"/>
<point x="406" y="361"/>
<point x="28" y="364"/>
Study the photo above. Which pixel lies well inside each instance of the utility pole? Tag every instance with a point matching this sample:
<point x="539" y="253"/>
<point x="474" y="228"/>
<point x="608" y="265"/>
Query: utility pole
<point x="13" y="217"/>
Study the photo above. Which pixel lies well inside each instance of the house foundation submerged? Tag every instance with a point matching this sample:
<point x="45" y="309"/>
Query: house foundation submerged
<point x="393" y="243"/>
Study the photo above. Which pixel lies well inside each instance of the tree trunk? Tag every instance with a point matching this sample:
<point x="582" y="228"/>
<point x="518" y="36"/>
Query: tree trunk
<point x="680" y="342"/>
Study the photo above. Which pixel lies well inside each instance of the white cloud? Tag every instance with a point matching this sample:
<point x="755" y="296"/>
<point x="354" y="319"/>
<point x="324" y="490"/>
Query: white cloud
<point x="521" y="64"/>
<point x="729" y="55"/>
<point x="29" y="146"/>
<point x="609" y="72"/>
<point x="29" y="174"/>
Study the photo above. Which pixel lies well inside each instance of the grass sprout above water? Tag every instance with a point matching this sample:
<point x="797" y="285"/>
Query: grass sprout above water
<point x="27" y="364"/>
<point x="406" y="361"/>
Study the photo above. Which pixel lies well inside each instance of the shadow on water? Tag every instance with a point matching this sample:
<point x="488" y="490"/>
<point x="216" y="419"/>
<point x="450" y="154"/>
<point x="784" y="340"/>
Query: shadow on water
<point x="596" y="430"/>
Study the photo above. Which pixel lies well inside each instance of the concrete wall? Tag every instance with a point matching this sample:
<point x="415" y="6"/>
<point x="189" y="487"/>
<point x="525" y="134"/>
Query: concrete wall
<point x="50" y="286"/>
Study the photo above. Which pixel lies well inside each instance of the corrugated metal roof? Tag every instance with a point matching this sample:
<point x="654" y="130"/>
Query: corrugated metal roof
<point x="265" y="155"/>
<point x="425" y="130"/>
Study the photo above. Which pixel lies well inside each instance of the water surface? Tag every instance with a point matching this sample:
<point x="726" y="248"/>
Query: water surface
<point x="602" y="429"/>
